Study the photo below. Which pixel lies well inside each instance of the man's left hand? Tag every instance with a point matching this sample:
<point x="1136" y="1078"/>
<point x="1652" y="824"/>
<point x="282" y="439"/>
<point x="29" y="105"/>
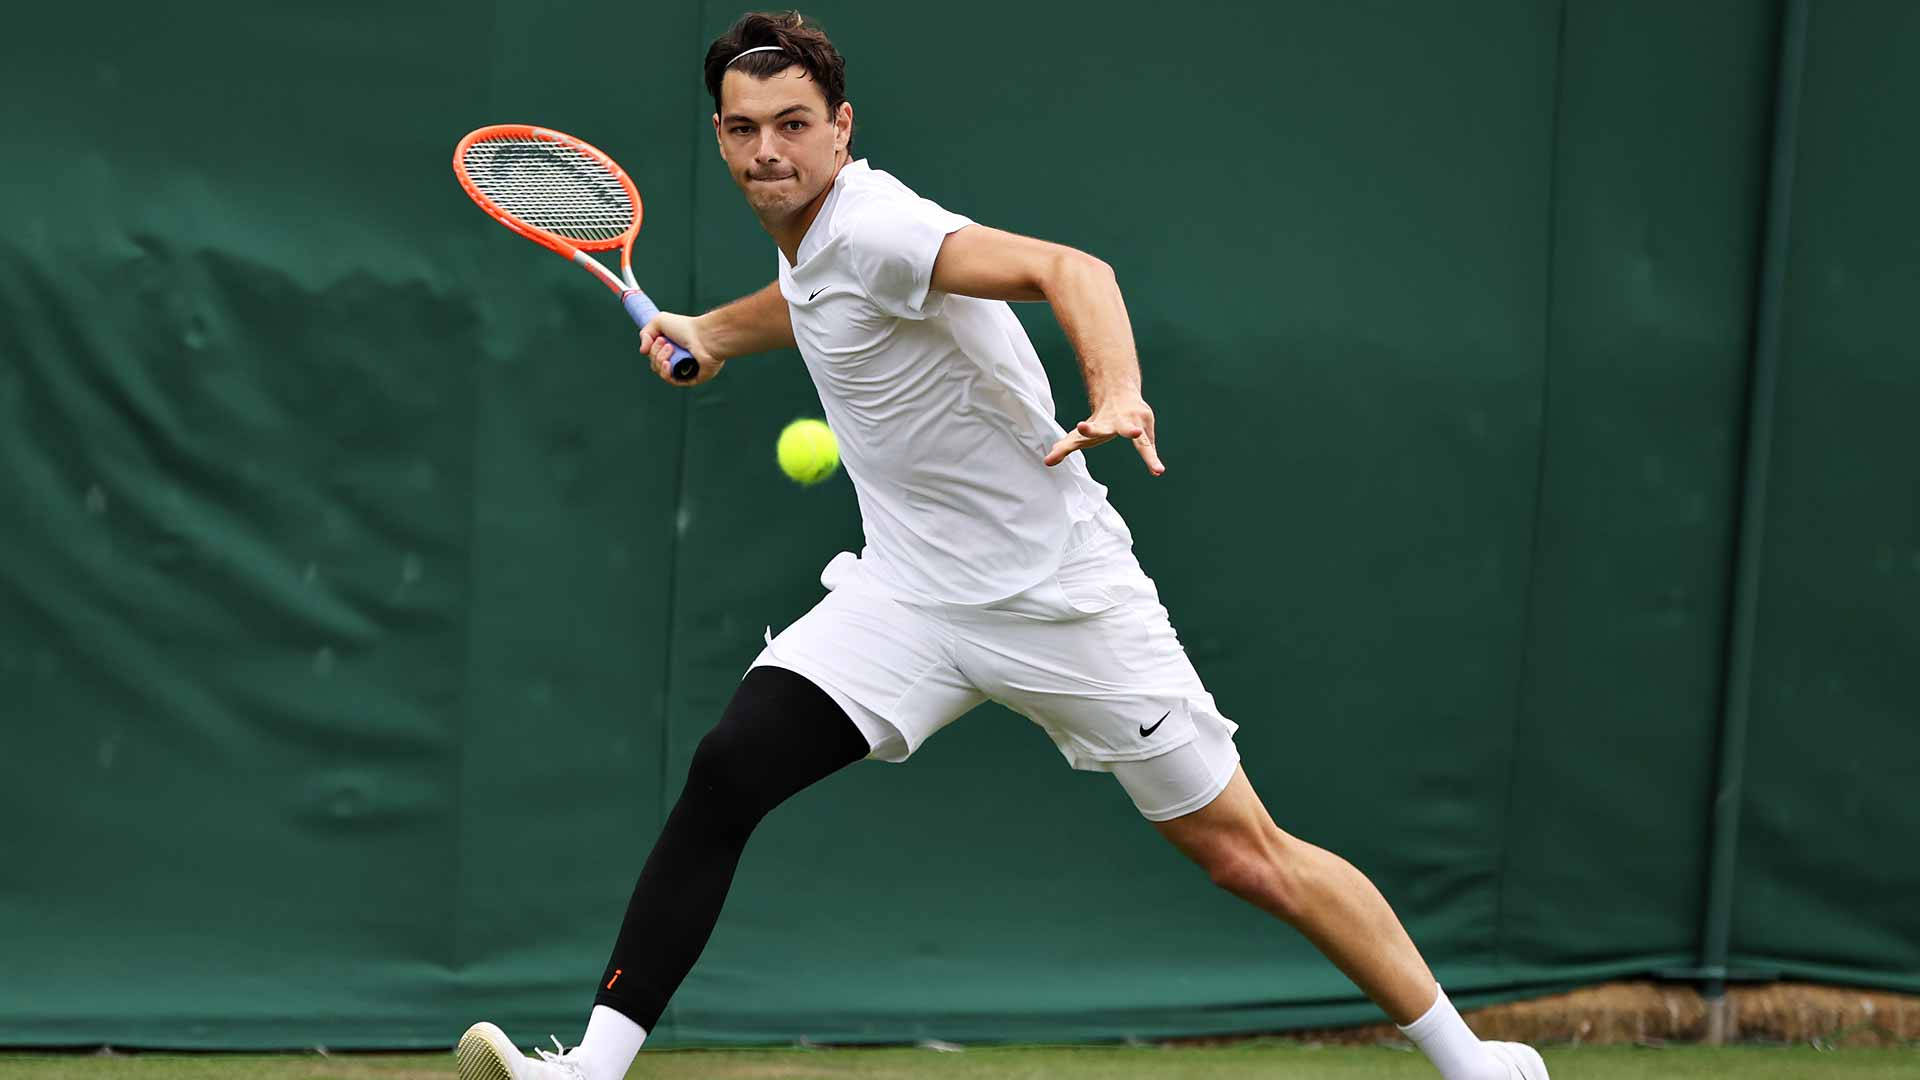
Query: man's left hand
<point x="1131" y="419"/>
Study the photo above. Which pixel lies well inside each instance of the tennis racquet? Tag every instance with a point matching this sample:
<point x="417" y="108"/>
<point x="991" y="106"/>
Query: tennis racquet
<point x="564" y="195"/>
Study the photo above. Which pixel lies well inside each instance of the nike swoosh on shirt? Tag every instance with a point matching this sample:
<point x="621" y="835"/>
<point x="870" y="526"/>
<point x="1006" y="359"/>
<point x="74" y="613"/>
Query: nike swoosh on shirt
<point x="818" y="291"/>
<point x="1146" y="731"/>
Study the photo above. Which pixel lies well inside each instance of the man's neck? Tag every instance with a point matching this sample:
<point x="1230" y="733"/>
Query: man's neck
<point x="788" y="234"/>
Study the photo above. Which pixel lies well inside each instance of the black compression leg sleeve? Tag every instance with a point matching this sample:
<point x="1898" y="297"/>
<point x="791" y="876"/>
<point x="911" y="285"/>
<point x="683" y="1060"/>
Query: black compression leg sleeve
<point x="779" y="734"/>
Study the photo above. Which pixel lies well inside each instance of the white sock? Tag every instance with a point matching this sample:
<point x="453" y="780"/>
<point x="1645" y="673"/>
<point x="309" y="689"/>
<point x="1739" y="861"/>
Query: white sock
<point x="608" y="1048"/>
<point x="1452" y="1046"/>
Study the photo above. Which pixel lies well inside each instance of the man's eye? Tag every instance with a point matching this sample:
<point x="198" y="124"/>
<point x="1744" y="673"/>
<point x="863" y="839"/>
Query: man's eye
<point x="742" y="130"/>
<point x="796" y="125"/>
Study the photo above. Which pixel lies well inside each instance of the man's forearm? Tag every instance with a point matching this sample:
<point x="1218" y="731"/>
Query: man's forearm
<point x="755" y="323"/>
<point x="1086" y="300"/>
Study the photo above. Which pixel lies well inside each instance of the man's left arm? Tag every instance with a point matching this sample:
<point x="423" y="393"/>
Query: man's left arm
<point x="996" y="265"/>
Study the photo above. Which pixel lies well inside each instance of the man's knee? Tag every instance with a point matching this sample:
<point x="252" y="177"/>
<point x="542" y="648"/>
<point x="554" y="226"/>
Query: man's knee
<point x="727" y="775"/>
<point x="1239" y="867"/>
<point x="1268" y="870"/>
<point x="780" y="733"/>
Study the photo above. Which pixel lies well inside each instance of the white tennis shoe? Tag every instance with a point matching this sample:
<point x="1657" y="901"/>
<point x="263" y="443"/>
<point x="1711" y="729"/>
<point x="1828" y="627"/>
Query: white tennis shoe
<point x="1522" y="1061"/>
<point x="485" y="1053"/>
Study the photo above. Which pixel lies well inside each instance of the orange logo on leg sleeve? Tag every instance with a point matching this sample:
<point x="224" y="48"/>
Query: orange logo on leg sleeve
<point x="615" y="979"/>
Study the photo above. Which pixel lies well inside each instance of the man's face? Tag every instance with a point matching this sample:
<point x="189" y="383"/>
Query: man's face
<point x="778" y="140"/>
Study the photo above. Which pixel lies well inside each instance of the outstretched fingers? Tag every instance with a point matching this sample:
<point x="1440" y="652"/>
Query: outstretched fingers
<point x="1092" y="432"/>
<point x="1149" y="453"/>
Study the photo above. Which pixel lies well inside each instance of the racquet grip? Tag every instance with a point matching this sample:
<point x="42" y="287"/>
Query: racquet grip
<point x="642" y="311"/>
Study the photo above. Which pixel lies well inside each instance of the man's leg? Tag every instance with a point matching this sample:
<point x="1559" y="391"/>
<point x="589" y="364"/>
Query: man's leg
<point x="1099" y="667"/>
<point x="1315" y="891"/>
<point x="780" y="734"/>
<point x="1334" y="905"/>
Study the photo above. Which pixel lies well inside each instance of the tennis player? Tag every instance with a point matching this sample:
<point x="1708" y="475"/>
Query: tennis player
<point x="994" y="567"/>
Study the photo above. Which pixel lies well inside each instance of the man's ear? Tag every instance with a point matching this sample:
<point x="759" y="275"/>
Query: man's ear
<point x="716" y="129"/>
<point x="845" y="113"/>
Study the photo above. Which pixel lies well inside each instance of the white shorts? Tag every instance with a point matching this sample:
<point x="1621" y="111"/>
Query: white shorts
<point x="1089" y="655"/>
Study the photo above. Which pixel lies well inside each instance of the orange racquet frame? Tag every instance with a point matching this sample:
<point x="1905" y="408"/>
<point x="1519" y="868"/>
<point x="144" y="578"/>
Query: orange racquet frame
<point x="638" y="306"/>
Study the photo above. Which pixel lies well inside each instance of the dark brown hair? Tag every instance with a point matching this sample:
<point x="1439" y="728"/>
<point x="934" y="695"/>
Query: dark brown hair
<point x="799" y="41"/>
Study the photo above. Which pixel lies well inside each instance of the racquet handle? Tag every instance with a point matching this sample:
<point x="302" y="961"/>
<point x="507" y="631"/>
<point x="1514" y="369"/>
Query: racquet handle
<point x="641" y="309"/>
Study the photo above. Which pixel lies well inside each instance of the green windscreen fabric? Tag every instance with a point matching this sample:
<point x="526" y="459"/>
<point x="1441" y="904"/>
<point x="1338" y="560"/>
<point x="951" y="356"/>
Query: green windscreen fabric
<point x="1827" y="872"/>
<point x="363" y="597"/>
<point x="1659" y="169"/>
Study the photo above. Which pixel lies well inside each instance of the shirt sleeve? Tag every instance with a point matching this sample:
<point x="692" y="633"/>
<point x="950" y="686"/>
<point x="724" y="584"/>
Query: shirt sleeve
<point x="891" y="246"/>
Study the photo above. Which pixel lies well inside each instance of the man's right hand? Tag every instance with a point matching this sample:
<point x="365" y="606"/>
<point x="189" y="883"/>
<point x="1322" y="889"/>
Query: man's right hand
<point x="666" y="330"/>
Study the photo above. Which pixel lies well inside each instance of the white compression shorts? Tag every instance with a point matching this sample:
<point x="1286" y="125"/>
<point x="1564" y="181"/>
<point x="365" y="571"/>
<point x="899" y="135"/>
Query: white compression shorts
<point x="1089" y="655"/>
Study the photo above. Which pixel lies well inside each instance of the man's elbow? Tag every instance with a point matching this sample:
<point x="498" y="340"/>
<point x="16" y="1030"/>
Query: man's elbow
<point x="1093" y="266"/>
<point x="1071" y="265"/>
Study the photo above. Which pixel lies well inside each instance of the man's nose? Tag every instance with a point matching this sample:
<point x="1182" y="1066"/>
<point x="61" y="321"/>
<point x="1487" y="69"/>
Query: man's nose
<point x="766" y="153"/>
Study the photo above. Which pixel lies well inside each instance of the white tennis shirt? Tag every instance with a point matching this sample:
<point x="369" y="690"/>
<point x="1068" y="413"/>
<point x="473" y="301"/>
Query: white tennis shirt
<point x="940" y="404"/>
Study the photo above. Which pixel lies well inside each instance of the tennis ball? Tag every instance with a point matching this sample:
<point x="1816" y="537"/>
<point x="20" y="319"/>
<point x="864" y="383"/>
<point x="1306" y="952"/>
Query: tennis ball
<point x="808" y="452"/>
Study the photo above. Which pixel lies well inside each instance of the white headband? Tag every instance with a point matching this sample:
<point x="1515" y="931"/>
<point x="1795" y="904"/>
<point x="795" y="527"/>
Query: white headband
<point x="762" y="48"/>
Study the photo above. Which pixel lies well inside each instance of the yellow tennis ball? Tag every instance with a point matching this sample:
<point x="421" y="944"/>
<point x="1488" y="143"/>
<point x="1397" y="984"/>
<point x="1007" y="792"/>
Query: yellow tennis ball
<point x="808" y="452"/>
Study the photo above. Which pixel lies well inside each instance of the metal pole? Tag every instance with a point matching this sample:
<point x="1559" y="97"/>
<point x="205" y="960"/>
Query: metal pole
<point x="1737" y="693"/>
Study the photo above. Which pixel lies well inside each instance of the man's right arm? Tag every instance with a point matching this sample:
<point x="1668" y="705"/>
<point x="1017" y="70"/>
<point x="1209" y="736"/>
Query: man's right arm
<point x="758" y="322"/>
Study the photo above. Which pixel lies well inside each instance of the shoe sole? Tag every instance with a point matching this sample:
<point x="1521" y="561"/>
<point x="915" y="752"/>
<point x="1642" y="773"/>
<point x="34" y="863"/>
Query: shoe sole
<point x="479" y="1058"/>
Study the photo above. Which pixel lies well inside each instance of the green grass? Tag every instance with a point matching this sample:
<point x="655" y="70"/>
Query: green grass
<point x="1264" y="1060"/>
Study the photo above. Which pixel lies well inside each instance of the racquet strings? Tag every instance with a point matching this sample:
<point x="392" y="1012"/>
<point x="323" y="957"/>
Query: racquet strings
<point x="550" y="186"/>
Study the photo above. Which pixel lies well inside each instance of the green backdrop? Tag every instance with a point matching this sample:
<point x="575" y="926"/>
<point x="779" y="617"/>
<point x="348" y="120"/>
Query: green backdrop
<point x="362" y="598"/>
